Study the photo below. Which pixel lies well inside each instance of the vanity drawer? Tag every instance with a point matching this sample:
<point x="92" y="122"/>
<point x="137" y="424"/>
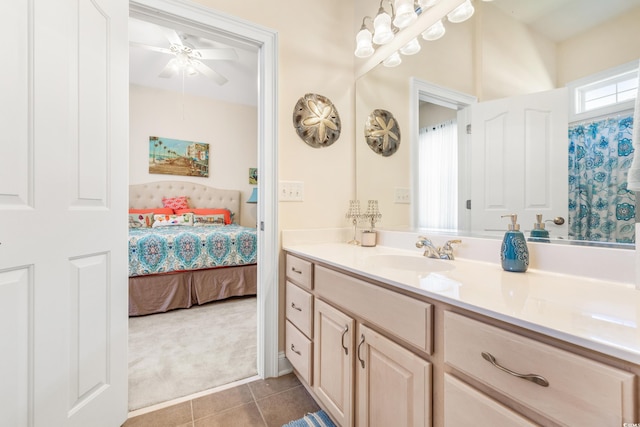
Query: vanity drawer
<point x="579" y="392"/>
<point x="299" y="351"/>
<point x="404" y="317"/>
<point x="299" y="308"/>
<point x="299" y="271"/>
<point x="477" y="407"/>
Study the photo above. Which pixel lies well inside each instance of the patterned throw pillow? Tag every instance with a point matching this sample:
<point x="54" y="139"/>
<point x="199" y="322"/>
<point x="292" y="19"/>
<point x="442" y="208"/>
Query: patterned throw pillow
<point x="175" y="203"/>
<point x="140" y="220"/>
<point x="217" y="220"/>
<point x="168" y="220"/>
<point x="209" y="211"/>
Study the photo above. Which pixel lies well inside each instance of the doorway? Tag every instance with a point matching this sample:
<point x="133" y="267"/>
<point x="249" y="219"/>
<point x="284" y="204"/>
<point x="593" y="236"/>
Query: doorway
<point x="207" y="21"/>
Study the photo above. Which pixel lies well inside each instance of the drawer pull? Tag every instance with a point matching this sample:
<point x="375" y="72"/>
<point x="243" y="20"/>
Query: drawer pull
<point x="296" y="271"/>
<point x="346" y="329"/>
<point x="295" y="351"/>
<point x="360" y="345"/>
<point x="538" y="379"/>
<point x="293" y="305"/>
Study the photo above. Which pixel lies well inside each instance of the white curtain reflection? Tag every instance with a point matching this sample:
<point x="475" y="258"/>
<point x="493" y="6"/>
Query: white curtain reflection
<point x="438" y="176"/>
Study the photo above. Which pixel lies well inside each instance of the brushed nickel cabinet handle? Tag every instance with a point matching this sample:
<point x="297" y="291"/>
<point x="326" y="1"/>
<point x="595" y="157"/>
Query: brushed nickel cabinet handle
<point x="360" y="345"/>
<point x="346" y="329"/>
<point x="296" y="271"/>
<point x="295" y="351"/>
<point x="293" y="305"/>
<point x="538" y="379"/>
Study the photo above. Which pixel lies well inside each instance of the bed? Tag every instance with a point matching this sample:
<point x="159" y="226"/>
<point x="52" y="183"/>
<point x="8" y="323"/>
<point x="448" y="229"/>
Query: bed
<point x="191" y="257"/>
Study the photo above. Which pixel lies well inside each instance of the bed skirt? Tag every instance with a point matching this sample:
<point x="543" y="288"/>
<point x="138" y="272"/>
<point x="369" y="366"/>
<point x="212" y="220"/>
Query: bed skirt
<point x="159" y="293"/>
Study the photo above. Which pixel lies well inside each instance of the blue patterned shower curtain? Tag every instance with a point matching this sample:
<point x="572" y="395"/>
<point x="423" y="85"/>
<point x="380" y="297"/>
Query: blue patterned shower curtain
<point x="600" y="206"/>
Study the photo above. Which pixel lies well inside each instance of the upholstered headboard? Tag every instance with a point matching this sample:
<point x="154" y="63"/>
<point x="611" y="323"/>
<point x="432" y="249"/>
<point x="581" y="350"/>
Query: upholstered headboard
<point x="149" y="195"/>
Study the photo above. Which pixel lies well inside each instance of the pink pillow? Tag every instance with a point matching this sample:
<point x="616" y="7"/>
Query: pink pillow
<point x="165" y="211"/>
<point x="175" y="203"/>
<point x="202" y="211"/>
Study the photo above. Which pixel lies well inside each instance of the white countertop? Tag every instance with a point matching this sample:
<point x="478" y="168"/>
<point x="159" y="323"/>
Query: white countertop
<point x="595" y="314"/>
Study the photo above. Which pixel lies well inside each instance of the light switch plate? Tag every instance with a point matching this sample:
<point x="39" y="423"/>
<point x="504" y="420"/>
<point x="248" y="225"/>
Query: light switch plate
<point x="291" y="191"/>
<point x="402" y="195"/>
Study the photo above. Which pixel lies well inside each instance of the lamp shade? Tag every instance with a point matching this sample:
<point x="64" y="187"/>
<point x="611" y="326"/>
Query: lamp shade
<point x="364" y="47"/>
<point x="405" y="13"/>
<point x="434" y="32"/>
<point x="393" y="60"/>
<point x="382" y="32"/>
<point x="254" y="196"/>
<point x="461" y="13"/>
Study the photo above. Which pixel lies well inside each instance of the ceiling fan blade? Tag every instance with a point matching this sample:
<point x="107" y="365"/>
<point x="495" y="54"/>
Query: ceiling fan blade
<point x="153" y="48"/>
<point x="219" y="53"/>
<point x="213" y="75"/>
<point x="169" y="70"/>
<point x="172" y="36"/>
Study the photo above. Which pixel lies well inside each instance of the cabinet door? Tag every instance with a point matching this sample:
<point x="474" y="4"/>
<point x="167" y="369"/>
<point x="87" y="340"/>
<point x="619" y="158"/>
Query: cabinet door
<point x="333" y="362"/>
<point x="394" y="384"/>
<point x="465" y="406"/>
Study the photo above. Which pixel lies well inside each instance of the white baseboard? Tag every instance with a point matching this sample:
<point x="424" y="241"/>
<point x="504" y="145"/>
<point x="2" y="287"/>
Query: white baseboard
<point x="284" y="366"/>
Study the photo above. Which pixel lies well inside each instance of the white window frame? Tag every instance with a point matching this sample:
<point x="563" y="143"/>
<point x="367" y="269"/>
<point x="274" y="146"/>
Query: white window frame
<point x="577" y="88"/>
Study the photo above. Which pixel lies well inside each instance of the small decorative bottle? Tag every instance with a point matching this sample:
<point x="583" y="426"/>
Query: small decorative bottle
<point x="539" y="234"/>
<point x="514" y="253"/>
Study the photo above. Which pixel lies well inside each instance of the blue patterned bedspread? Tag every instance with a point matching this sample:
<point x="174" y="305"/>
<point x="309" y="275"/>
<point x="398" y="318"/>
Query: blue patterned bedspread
<point x="179" y="248"/>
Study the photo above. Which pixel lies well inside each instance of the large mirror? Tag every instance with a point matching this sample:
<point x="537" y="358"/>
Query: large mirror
<point x="508" y="49"/>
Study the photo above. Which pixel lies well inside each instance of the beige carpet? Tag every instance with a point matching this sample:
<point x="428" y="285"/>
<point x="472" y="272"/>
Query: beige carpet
<point x="182" y="352"/>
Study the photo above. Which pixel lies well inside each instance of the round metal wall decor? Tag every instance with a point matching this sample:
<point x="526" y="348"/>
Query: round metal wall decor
<point x="316" y="120"/>
<point x="382" y="132"/>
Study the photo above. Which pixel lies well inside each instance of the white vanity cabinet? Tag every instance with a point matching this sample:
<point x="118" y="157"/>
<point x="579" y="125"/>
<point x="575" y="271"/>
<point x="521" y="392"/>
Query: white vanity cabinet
<point x="299" y="316"/>
<point x="375" y="355"/>
<point x="562" y="387"/>
<point x="334" y="362"/>
<point x="356" y="366"/>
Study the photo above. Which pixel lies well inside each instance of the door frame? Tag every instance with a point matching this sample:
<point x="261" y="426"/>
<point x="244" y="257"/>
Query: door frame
<point x="266" y="41"/>
<point x="421" y="90"/>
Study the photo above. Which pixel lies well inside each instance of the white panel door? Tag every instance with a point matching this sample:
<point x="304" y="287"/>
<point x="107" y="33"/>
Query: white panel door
<point x="519" y="161"/>
<point x="63" y="198"/>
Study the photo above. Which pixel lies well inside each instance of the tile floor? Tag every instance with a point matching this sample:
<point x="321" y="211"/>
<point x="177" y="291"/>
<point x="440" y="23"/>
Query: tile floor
<point x="261" y="403"/>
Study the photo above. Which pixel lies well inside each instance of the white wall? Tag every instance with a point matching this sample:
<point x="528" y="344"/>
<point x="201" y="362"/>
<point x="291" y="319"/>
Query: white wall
<point x="229" y="129"/>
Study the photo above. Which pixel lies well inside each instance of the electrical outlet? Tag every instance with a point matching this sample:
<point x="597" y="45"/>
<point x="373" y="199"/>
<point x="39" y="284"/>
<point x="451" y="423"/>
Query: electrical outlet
<point x="291" y="191"/>
<point x="402" y="195"/>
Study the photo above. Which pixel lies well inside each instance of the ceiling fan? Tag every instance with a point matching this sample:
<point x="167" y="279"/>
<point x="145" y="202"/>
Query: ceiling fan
<point x="187" y="59"/>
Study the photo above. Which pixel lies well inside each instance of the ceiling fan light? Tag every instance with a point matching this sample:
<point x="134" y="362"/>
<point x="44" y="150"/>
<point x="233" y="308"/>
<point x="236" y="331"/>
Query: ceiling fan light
<point x="411" y="48"/>
<point x="405" y="13"/>
<point x="434" y="32"/>
<point x="364" y="46"/>
<point x="393" y="60"/>
<point x="461" y="13"/>
<point x="382" y="32"/>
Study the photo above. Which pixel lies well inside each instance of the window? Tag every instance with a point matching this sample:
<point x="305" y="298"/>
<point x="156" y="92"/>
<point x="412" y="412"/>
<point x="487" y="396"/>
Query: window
<point x="603" y="93"/>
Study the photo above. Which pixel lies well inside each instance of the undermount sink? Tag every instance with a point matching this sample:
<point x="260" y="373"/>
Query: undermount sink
<point x="410" y="263"/>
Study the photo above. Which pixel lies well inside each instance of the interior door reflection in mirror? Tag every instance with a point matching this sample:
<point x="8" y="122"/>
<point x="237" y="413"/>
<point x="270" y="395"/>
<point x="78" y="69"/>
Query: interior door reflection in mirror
<point x="496" y="56"/>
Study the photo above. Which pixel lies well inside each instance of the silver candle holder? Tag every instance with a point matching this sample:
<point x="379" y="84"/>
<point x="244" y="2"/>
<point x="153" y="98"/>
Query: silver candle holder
<point x="354" y="215"/>
<point x="372" y="215"/>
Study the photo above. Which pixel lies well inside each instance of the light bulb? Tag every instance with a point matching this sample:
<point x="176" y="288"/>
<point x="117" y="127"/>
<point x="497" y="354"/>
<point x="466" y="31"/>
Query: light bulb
<point x="411" y="48"/>
<point x="405" y="13"/>
<point x="434" y="32"/>
<point x="393" y="60"/>
<point x="364" y="48"/>
<point x="461" y="13"/>
<point x="382" y="33"/>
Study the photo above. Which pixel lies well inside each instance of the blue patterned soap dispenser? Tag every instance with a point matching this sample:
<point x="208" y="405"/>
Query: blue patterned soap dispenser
<point x="514" y="253"/>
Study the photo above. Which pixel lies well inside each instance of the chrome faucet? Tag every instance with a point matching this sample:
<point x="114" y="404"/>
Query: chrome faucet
<point x="431" y="251"/>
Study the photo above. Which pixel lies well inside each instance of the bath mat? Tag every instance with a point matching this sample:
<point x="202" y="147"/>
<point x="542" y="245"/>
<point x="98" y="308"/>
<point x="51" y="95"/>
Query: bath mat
<point x="316" y="419"/>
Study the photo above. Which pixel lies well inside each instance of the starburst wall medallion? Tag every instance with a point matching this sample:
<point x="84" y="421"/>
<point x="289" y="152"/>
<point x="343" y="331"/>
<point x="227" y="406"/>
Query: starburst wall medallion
<point x="382" y="132"/>
<point x="316" y="120"/>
